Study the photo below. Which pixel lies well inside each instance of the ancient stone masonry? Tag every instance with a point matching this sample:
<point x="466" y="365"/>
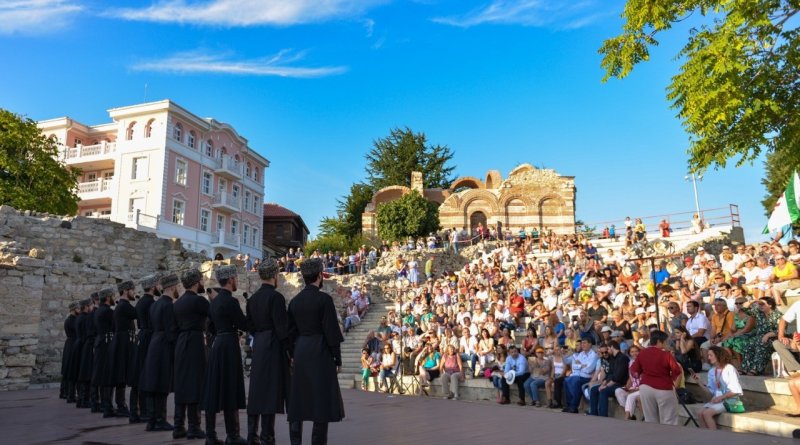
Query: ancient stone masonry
<point x="48" y="261"/>
<point x="528" y="198"/>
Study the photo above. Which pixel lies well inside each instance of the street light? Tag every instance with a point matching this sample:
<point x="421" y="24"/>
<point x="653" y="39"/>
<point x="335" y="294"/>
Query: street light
<point x="695" y="179"/>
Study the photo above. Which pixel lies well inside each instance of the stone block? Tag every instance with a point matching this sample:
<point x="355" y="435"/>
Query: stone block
<point x="20" y="328"/>
<point x="3" y="372"/>
<point x="20" y="360"/>
<point x="15" y="373"/>
<point x="25" y="261"/>
<point x="23" y="342"/>
<point x="34" y="281"/>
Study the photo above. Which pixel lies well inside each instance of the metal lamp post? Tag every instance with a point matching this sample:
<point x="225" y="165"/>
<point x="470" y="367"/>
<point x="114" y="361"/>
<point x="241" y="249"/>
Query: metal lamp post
<point x="695" y="178"/>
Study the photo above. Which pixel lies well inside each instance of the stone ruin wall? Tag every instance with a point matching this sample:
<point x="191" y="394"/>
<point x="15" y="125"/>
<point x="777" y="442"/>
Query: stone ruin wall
<point x="48" y="261"/>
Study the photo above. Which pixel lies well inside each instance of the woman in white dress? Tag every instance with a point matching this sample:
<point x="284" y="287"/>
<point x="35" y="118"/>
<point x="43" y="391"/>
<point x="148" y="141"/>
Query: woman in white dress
<point x="413" y="273"/>
<point x="723" y="384"/>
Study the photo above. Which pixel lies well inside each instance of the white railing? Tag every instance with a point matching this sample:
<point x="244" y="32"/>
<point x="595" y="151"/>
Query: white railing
<point x="229" y="164"/>
<point x="226" y="239"/>
<point x="98" y="185"/>
<point x="139" y="220"/>
<point x="90" y="150"/>
<point x="226" y="199"/>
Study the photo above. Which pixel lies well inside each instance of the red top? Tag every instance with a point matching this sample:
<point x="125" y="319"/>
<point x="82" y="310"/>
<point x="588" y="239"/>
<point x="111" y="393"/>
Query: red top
<point x="657" y="368"/>
<point x="517" y="304"/>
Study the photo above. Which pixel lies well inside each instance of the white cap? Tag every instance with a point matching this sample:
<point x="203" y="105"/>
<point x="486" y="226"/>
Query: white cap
<point x="639" y="311"/>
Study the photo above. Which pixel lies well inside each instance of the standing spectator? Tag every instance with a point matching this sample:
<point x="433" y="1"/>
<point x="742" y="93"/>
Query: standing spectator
<point x="665" y="229"/>
<point x="429" y="267"/>
<point x="659" y="374"/>
<point x="583" y="366"/>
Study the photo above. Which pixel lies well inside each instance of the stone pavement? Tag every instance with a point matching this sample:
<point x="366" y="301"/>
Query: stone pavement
<point x="38" y="417"/>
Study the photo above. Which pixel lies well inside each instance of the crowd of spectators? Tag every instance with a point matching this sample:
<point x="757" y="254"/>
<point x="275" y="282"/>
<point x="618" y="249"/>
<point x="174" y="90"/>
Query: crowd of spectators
<point x="556" y="312"/>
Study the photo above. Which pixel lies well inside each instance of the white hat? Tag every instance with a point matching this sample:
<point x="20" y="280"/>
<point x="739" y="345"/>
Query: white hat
<point x="639" y="311"/>
<point x="606" y="329"/>
<point x="651" y="308"/>
<point x="701" y="248"/>
<point x="510" y="376"/>
<point x="616" y="334"/>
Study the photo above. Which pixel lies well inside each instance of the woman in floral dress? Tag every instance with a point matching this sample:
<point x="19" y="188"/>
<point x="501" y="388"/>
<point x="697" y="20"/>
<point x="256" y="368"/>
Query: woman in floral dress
<point x="757" y="348"/>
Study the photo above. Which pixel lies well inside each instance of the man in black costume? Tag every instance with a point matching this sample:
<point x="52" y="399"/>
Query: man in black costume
<point x="67" y="359"/>
<point x="80" y="329"/>
<point x="157" y="378"/>
<point x="314" y="390"/>
<point x="138" y="400"/>
<point x="224" y="389"/>
<point x="123" y="346"/>
<point x="91" y="392"/>
<point x="191" y="314"/>
<point x="101" y="369"/>
<point x="266" y="315"/>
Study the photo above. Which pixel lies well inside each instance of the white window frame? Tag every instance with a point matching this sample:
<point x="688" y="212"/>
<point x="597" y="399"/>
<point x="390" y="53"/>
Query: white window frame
<point x="235" y="190"/>
<point x="210" y="189"/>
<point x="209" y="149"/>
<point x="180" y="179"/>
<point x="135" y="174"/>
<point x="190" y="139"/>
<point x="205" y="220"/>
<point x="256" y="241"/>
<point x="234" y="226"/>
<point x="220" y="227"/>
<point x="246" y="234"/>
<point x="247" y="200"/>
<point x="177" y="132"/>
<point x="178" y="217"/>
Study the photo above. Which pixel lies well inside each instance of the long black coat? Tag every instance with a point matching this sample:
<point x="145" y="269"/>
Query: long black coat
<point x="266" y="315"/>
<point x="69" y="345"/>
<point x="104" y="324"/>
<point x="123" y="347"/>
<point x="225" y="377"/>
<point x="191" y="315"/>
<point x="74" y="364"/>
<point x="87" y="348"/>
<point x="314" y="391"/>
<point x="157" y="372"/>
<point x="142" y="338"/>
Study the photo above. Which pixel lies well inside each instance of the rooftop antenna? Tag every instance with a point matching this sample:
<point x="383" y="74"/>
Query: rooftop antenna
<point x="145" y="92"/>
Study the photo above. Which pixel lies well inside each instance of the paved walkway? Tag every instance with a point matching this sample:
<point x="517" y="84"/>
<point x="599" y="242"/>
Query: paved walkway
<point x="39" y="417"/>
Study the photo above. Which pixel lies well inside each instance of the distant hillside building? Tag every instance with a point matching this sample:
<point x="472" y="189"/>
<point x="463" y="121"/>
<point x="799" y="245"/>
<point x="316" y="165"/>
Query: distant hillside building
<point x="283" y="229"/>
<point x="160" y="168"/>
<point x="529" y="198"/>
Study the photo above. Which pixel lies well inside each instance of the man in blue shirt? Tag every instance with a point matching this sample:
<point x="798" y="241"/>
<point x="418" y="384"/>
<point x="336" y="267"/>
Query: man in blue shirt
<point x="659" y="275"/>
<point x="519" y="364"/>
<point x="583" y="366"/>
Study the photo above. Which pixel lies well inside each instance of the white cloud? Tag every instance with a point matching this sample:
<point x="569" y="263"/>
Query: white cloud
<point x="564" y="14"/>
<point x="35" y="16"/>
<point x="246" y="12"/>
<point x="282" y="64"/>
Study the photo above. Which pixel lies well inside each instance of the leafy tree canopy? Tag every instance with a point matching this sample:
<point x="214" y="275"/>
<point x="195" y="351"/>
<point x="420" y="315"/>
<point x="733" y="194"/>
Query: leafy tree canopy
<point x="410" y="215"/>
<point x="393" y="158"/>
<point x="738" y="90"/>
<point x="31" y="177"/>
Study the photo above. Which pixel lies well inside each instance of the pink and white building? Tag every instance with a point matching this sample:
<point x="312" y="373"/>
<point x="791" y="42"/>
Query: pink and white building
<point x="158" y="167"/>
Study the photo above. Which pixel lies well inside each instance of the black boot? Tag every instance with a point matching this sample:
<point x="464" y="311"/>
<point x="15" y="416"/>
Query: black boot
<point x="179" y="419"/>
<point x="146" y="406"/>
<point x="193" y="414"/>
<point x="296" y="433"/>
<point x="267" y="429"/>
<point x="62" y="389"/>
<point x="211" y="429"/>
<point x="71" y="392"/>
<point x="252" y="429"/>
<point x="319" y="434"/>
<point x="161" y="413"/>
<point x="133" y="402"/>
<point x="232" y="428"/>
<point x="105" y="401"/>
<point x="83" y="396"/>
<point x="151" y="408"/>
<point x="94" y="398"/>
<point x="119" y="395"/>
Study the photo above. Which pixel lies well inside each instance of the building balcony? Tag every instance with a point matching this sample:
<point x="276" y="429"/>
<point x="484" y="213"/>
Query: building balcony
<point x="226" y="202"/>
<point x="140" y="221"/>
<point x="89" y="153"/>
<point x="97" y="189"/>
<point x="229" y="167"/>
<point x="225" y="240"/>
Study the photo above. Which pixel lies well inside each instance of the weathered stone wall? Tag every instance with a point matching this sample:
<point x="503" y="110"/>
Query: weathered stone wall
<point x="48" y="261"/>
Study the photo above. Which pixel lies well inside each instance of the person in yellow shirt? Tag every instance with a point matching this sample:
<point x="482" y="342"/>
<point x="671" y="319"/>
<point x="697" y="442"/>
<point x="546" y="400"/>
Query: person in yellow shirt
<point x="784" y="277"/>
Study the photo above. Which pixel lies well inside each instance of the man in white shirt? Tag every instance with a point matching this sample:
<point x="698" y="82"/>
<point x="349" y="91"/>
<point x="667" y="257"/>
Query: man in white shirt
<point x="787" y="348"/>
<point x="697" y="324"/>
<point x="583" y="366"/>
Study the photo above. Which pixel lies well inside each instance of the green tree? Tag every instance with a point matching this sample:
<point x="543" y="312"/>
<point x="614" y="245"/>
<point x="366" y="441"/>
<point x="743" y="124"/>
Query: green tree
<point x="31" y="177"/>
<point x="738" y="90"/>
<point x="348" y="212"/>
<point x="392" y="159"/>
<point x="410" y="215"/>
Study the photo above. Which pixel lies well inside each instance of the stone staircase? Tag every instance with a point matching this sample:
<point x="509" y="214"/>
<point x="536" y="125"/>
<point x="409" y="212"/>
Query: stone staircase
<point x="354" y="341"/>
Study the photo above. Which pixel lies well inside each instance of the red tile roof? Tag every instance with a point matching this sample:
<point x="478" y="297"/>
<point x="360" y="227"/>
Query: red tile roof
<point x="276" y="211"/>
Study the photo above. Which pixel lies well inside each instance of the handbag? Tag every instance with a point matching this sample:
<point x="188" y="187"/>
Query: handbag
<point x="736" y="407"/>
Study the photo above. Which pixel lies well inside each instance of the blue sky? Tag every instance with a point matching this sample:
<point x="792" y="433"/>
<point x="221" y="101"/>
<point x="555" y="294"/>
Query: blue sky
<point x="312" y="83"/>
